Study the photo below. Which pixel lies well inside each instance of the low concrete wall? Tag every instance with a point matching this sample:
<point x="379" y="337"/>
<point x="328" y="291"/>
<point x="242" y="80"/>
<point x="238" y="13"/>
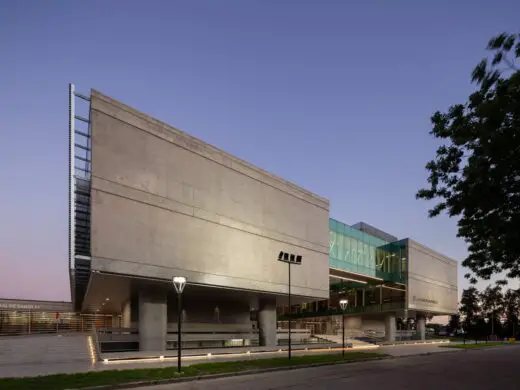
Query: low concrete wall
<point x="44" y="349"/>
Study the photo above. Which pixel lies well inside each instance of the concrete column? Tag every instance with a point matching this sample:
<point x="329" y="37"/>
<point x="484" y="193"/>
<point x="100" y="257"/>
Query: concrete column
<point x="328" y="327"/>
<point x="390" y="327"/>
<point x="152" y="320"/>
<point x="354" y="323"/>
<point x="127" y="315"/>
<point x="115" y="321"/>
<point x="267" y="322"/>
<point x="363" y="298"/>
<point x="353" y="326"/>
<point x="421" y="327"/>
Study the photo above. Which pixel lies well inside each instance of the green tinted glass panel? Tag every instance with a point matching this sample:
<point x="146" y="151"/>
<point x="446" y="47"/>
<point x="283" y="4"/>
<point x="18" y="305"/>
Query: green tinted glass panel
<point x="355" y="251"/>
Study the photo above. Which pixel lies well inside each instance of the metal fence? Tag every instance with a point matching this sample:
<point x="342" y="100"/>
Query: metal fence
<point x="31" y="322"/>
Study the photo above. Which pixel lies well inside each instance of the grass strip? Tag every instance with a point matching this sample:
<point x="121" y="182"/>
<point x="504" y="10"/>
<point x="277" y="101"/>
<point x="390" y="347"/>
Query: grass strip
<point x="117" y="377"/>
<point x="472" y="345"/>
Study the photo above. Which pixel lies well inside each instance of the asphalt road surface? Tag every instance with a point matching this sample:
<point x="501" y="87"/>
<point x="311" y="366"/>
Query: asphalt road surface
<point x="493" y="369"/>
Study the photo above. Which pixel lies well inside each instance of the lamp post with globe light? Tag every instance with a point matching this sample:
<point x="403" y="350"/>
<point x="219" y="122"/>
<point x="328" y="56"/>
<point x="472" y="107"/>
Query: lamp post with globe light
<point x="179" y="282"/>
<point x="343" y="304"/>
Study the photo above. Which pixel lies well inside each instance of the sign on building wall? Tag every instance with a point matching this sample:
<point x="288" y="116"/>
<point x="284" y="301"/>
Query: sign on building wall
<point x="13" y="305"/>
<point x="18" y="306"/>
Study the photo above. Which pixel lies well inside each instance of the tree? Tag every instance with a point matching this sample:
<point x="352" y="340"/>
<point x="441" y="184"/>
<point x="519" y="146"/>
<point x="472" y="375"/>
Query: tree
<point x="470" y="307"/>
<point x="475" y="174"/>
<point x="511" y="310"/>
<point x="492" y="300"/>
<point x="454" y="322"/>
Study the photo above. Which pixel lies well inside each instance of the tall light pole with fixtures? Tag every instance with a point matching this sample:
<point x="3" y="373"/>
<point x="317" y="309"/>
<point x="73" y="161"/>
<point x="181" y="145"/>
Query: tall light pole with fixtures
<point x="179" y="283"/>
<point x="290" y="259"/>
<point x="343" y="304"/>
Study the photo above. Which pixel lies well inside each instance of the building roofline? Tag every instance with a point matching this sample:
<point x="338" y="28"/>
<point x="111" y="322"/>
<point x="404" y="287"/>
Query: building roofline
<point x="196" y="145"/>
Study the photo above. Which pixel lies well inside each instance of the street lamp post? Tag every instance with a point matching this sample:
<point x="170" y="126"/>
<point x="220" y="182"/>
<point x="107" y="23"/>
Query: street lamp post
<point x="290" y="259"/>
<point x="493" y="325"/>
<point x="179" y="283"/>
<point x="343" y="304"/>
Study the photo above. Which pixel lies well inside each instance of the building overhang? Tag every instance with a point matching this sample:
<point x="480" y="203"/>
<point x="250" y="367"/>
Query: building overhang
<point x="107" y="293"/>
<point x="347" y="276"/>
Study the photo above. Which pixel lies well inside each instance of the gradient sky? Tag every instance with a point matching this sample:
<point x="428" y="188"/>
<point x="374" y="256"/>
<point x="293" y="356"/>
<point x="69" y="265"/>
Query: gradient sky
<point x="335" y="96"/>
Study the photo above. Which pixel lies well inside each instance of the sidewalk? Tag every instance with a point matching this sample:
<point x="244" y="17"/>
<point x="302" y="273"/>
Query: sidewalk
<point x="74" y="367"/>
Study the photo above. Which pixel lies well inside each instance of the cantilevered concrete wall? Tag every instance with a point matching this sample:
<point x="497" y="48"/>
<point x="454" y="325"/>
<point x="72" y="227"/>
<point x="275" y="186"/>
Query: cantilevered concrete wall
<point x="432" y="280"/>
<point x="165" y="204"/>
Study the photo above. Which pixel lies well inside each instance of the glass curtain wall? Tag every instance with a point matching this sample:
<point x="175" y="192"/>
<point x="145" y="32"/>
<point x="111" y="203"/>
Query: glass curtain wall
<point x="354" y="251"/>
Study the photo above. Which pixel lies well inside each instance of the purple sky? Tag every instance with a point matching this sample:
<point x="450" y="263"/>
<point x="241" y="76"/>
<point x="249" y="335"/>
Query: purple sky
<point x="333" y="95"/>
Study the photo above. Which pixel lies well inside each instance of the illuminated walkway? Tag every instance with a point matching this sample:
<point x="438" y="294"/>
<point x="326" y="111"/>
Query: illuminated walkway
<point x="17" y="370"/>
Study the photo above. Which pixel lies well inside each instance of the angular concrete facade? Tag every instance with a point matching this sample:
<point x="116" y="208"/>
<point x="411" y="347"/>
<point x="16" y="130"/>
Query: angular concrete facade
<point x="165" y="203"/>
<point x="432" y="281"/>
<point x="160" y="203"/>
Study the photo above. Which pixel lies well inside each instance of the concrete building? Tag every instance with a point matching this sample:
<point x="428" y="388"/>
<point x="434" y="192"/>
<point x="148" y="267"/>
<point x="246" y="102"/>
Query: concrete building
<point x="391" y="285"/>
<point x="149" y="202"/>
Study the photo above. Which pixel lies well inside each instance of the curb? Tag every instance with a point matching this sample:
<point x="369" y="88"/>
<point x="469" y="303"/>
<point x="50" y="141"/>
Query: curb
<point x="491" y="348"/>
<point x="132" y="385"/>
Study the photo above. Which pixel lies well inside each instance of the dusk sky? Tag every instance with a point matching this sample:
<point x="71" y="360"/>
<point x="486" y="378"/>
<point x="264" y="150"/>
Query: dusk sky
<point x="335" y="96"/>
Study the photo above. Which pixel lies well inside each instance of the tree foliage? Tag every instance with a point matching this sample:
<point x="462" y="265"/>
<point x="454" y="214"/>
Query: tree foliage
<point x="470" y="306"/>
<point x="511" y="308"/>
<point x="492" y="301"/>
<point x="490" y="310"/>
<point x="475" y="174"/>
<point x="454" y="322"/>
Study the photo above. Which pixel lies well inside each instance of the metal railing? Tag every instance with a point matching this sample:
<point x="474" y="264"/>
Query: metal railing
<point x="378" y="308"/>
<point x="31" y="322"/>
<point x="194" y="336"/>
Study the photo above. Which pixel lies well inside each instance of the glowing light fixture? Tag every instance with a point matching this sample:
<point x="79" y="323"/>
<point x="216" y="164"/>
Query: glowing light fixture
<point x="343" y="304"/>
<point x="179" y="282"/>
<point x="348" y="279"/>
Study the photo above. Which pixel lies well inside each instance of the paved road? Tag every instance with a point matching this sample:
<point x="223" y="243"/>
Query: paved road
<point x="495" y="368"/>
<point x="410" y="349"/>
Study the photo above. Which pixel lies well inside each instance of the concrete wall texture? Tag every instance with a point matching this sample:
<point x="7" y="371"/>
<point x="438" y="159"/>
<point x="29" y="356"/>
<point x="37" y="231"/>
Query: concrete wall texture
<point x="220" y="311"/>
<point x="432" y="280"/>
<point x="165" y="204"/>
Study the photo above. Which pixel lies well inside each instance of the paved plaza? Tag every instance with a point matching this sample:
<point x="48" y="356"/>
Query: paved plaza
<point x="494" y="368"/>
